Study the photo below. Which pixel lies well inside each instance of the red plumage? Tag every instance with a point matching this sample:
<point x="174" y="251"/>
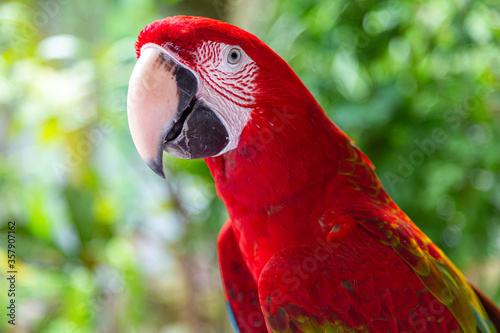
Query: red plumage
<point x="314" y="243"/>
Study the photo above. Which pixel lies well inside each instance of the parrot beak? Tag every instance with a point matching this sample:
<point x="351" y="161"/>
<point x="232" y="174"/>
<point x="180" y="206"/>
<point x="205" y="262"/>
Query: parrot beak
<point x="164" y="114"/>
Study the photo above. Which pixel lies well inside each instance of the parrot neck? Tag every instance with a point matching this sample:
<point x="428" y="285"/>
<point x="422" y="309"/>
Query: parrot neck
<point x="291" y="169"/>
<point x="282" y="154"/>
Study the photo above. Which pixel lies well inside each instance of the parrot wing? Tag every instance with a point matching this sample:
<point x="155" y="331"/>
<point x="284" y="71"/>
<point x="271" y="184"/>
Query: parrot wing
<point x="355" y="285"/>
<point x="389" y="225"/>
<point x="438" y="274"/>
<point x="240" y="288"/>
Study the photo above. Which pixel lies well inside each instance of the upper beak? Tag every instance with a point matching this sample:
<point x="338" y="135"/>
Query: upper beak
<point x="160" y="89"/>
<point x="164" y="113"/>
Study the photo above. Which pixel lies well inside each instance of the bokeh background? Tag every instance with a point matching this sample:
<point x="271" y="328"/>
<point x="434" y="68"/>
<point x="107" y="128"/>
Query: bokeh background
<point x="104" y="245"/>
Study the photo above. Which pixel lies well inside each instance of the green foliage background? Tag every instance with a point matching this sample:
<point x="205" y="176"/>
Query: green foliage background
<point x="104" y="245"/>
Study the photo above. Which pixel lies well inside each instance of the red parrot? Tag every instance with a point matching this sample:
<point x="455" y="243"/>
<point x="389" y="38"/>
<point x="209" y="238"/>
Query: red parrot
<point x="313" y="243"/>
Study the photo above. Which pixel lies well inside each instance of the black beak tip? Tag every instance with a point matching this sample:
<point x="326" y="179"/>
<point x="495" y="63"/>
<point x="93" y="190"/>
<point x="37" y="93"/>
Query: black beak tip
<point x="157" y="167"/>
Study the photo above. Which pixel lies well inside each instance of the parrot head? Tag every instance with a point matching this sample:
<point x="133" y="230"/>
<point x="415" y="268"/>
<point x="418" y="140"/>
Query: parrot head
<point x="196" y="85"/>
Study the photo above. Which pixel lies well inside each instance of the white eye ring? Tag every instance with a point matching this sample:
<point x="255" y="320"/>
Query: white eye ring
<point x="234" y="56"/>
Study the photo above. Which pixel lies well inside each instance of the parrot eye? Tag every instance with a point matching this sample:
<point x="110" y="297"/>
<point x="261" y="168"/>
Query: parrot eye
<point x="234" y="56"/>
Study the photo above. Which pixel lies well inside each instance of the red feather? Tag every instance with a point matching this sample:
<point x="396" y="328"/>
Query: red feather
<point x="311" y="228"/>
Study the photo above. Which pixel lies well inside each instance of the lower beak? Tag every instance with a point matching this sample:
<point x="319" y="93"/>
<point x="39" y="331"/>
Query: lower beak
<point x="164" y="114"/>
